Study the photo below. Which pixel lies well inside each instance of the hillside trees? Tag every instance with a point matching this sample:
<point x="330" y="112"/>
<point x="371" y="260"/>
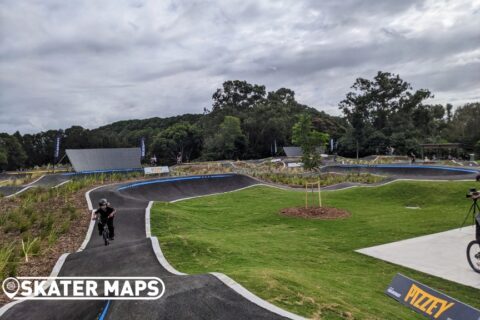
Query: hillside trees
<point x="228" y="143"/>
<point x="265" y="118"/>
<point x="12" y="154"/>
<point x="247" y="121"/>
<point x="465" y="126"/>
<point x="386" y="112"/>
<point x="183" y="138"/>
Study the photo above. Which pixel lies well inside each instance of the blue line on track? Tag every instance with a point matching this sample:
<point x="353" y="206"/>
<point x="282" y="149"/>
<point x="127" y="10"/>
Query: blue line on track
<point x="102" y="171"/>
<point x="105" y="311"/>
<point x="166" y="180"/>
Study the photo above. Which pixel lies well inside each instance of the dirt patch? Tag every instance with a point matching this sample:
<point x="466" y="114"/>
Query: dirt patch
<point x="324" y="213"/>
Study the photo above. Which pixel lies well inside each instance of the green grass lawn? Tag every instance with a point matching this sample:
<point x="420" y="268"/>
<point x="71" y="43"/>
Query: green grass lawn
<point x="309" y="266"/>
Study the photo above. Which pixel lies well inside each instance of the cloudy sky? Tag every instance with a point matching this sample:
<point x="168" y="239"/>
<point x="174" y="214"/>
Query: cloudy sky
<point x="95" y="62"/>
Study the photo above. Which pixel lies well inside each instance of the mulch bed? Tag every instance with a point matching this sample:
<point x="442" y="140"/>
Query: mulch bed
<point x="323" y="213"/>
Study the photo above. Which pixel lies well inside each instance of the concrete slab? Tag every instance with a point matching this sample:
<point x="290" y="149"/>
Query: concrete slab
<point x="441" y="254"/>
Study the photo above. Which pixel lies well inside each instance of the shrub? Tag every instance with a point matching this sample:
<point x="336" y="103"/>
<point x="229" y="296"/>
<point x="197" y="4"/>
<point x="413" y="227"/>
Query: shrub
<point x="47" y="222"/>
<point x="30" y="247"/>
<point x="65" y="226"/>
<point x="52" y="237"/>
<point x="6" y="257"/>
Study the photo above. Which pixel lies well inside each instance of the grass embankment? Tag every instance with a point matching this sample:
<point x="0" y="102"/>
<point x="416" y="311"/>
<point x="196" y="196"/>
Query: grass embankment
<point x="309" y="266"/>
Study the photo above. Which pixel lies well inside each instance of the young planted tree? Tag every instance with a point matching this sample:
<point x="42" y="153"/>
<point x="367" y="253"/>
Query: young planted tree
<point x="308" y="139"/>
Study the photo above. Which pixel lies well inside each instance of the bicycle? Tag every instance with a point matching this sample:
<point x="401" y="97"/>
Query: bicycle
<point x="473" y="255"/>
<point x="473" y="248"/>
<point x="105" y="232"/>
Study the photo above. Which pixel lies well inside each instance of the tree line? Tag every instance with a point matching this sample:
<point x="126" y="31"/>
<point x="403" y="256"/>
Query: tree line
<point x="247" y="122"/>
<point x="386" y="112"/>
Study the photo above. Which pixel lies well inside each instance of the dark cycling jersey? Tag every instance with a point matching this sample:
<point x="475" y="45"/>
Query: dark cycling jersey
<point x="104" y="213"/>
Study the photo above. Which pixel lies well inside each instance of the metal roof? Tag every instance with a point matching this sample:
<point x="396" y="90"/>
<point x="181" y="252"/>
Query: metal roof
<point x="293" y="152"/>
<point x="104" y="159"/>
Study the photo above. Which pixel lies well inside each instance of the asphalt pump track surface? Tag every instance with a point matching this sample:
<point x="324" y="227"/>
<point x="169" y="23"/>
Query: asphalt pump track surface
<point x="134" y="253"/>
<point x="406" y="171"/>
<point x="45" y="181"/>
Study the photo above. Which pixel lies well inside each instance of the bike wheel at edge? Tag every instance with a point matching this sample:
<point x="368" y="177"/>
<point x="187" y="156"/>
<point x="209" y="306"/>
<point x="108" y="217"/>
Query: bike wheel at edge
<point x="473" y="255"/>
<point x="105" y="238"/>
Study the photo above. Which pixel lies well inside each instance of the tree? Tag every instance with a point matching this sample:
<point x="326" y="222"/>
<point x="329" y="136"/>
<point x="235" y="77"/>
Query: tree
<point x="464" y="127"/>
<point x="266" y="120"/>
<point x="3" y="155"/>
<point x="387" y="104"/>
<point x="229" y="142"/>
<point x="238" y="94"/>
<point x="181" y="138"/>
<point x="14" y="152"/>
<point x="449" y="108"/>
<point x="77" y="137"/>
<point x="308" y="139"/>
<point x="477" y="149"/>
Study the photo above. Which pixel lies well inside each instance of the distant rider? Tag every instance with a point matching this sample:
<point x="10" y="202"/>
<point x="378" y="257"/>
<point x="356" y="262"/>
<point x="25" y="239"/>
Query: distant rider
<point x="106" y="213"/>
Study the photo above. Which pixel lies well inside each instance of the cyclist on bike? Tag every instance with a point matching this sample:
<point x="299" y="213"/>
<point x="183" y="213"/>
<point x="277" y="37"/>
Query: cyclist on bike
<point x="106" y="213"/>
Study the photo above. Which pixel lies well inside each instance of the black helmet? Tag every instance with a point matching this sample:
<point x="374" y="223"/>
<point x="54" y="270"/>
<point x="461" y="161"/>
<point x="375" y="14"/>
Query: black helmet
<point x="102" y="202"/>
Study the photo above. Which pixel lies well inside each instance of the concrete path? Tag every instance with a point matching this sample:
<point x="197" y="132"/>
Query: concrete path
<point x="441" y="254"/>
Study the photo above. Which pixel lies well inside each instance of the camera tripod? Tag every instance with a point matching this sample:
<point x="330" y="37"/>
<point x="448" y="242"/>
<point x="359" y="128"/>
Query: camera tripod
<point x="474" y="210"/>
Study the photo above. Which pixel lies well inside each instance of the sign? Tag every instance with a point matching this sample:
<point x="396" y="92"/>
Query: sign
<point x="429" y="302"/>
<point x="57" y="147"/>
<point x="83" y="288"/>
<point x="156" y="170"/>
<point x="294" y="164"/>
<point x="142" y="147"/>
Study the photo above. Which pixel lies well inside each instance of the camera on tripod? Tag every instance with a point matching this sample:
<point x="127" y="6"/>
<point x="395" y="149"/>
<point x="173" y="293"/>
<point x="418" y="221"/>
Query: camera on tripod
<point x="474" y="211"/>
<point x="473" y="193"/>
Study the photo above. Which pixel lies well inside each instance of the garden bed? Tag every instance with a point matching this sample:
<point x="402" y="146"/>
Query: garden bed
<point x="50" y="221"/>
<point x="325" y="179"/>
<point x="326" y="213"/>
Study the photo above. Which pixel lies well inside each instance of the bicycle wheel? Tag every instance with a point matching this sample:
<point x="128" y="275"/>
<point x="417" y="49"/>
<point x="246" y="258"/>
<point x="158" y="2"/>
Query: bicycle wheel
<point x="473" y="255"/>
<point x="106" y="236"/>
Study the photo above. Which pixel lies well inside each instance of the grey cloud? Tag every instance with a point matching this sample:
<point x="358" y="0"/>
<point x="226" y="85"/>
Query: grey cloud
<point x="455" y="79"/>
<point x="94" y="62"/>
